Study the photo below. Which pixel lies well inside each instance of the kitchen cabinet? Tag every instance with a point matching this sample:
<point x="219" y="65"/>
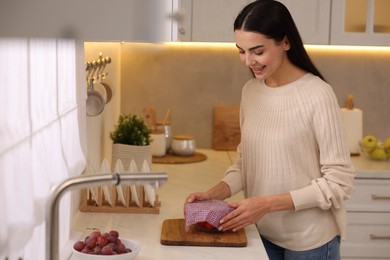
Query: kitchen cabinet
<point x="88" y="20"/>
<point x="335" y="22"/>
<point x="209" y="20"/>
<point x="368" y="231"/>
<point x="360" y="22"/>
<point x="312" y="19"/>
<point x="212" y="21"/>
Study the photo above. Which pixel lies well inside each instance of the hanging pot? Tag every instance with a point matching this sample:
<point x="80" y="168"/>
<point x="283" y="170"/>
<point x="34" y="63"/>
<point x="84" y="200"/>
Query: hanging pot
<point x="103" y="82"/>
<point x="95" y="100"/>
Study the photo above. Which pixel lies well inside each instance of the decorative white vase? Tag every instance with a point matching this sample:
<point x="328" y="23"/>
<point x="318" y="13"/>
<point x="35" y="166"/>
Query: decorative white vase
<point x="127" y="152"/>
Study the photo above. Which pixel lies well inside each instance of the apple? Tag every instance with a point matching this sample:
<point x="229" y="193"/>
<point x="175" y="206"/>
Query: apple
<point x="379" y="153"/>
<point x="369" y="142"/>
<point x="387" y="145"/>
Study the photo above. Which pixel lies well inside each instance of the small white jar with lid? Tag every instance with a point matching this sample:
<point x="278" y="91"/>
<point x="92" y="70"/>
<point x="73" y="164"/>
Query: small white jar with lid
<point x="183" y="145"/>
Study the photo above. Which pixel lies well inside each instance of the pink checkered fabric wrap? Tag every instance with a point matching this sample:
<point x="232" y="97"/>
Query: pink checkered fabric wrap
<point x="206" y="210"/>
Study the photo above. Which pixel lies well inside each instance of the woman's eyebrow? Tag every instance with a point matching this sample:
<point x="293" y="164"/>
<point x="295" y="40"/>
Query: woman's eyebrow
<point x="252" y="48"/>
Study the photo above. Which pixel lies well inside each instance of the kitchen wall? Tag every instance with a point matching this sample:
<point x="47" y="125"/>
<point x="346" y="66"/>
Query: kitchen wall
<point x="99" y="127"/>
<point x="192" y="79"/>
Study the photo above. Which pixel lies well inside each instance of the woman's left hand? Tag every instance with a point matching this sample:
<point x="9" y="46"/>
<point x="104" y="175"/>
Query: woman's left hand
<point x="250" y="210"/>
<point x="247" y="211"/>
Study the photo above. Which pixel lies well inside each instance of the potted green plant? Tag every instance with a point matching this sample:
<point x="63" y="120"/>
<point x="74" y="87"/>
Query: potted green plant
<point x="131" y="140"/>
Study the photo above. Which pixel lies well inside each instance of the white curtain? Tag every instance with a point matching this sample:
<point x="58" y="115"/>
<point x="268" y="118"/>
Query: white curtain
<point x="40" y="138"/>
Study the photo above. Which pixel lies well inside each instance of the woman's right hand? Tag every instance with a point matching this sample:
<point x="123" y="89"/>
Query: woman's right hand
<point x="196" y="196"/>
<point x="220" y="191"/>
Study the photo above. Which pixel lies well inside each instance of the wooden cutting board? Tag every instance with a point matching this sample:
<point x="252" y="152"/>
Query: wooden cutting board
<point x="173" y="233"/>
<point x="226" y="127"/>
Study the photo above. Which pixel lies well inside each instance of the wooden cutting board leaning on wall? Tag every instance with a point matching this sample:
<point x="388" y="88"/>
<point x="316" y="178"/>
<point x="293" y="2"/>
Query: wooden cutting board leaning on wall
<point x="226" y="127"/>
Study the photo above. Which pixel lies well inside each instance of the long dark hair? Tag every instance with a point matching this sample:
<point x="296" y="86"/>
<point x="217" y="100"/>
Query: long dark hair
<point x="272" y="19"/>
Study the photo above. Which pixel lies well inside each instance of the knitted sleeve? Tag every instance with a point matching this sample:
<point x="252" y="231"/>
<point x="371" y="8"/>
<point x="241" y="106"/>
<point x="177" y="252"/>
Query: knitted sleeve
<point x="336" y="183"/>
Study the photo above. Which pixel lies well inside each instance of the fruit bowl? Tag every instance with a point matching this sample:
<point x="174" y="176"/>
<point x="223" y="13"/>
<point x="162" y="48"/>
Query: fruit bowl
<point x="105" y="245"/>
<point x="131" y="244"/>
<point x="374" y="149"/>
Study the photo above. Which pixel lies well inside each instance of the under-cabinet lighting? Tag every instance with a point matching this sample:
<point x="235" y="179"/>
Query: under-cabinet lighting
<point x="346" y="47"/>
<point x="203" y="44"/>
<point x="307" y="46"/>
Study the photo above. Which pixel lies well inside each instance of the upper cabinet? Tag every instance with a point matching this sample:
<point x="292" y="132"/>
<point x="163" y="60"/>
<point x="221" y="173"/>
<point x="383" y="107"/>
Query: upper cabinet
<point x="212" y="20"/>
<point x="338" y="22"/>
<point x="208" y="20"/>
<point x="88" y="20"/>
<point x="312" y="17"/>
<point x="360" y="22"/>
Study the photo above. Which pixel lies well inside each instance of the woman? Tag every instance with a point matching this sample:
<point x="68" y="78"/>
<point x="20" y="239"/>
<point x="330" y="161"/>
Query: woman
<point x="293" y="162"/>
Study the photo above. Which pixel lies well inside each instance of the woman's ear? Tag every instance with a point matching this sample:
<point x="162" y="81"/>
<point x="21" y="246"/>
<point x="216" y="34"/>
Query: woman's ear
<point x="286" y="43"/>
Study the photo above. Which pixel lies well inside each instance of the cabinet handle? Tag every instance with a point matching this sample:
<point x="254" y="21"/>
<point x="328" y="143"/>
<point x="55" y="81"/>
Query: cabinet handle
<point x="372" y="236"/>
<point x="379" y="197"/>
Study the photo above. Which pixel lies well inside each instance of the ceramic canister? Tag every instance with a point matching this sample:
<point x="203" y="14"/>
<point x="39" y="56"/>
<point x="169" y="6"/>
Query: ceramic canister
<point x="183" y="145"/>
<point x="167" y="129"/>
<point x="158" y="144"/>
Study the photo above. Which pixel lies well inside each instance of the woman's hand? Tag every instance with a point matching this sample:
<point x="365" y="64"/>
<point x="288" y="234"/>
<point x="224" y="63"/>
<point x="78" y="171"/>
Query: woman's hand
<point x="249" y="211"/>
<point x="196" y="196"/>
<point x="220" y="191"/>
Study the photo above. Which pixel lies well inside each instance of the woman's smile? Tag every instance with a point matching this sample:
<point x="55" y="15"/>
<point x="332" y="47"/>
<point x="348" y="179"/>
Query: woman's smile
<point x="258" y="69"/>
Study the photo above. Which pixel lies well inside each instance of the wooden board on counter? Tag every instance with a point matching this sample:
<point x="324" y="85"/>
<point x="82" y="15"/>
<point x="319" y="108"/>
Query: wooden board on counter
<point x="226" y="128"/>
<point x="173" y="233"/>
<point x="170" y="158"/>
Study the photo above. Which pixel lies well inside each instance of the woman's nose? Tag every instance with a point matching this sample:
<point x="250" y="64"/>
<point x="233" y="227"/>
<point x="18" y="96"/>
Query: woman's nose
<point x="249" y="60"/>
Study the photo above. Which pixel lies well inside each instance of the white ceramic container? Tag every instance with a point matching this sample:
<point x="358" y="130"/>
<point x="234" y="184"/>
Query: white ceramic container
<point x="183" y="145"/>
<point x="158" y="145"/>
<point x="167" y="129"/>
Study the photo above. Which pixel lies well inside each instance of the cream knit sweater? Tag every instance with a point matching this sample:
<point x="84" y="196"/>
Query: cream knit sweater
<point x="293" y="140"/>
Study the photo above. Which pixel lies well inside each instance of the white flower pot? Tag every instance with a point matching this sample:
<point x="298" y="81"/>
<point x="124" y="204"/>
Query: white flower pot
<point x="127" y="152"/>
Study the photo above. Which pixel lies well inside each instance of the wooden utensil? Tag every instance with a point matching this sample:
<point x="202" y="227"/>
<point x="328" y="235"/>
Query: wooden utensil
<point x="149" y="115"/>
<point x="166" y="117"/>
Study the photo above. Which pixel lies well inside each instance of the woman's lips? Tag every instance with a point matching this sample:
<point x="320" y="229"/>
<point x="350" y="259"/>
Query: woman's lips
<point x="258" y="70"/>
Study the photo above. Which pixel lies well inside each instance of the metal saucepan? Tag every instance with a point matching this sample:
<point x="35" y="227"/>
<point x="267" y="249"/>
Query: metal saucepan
<point x="95" y="100"/>
<point x="102" y="81"/>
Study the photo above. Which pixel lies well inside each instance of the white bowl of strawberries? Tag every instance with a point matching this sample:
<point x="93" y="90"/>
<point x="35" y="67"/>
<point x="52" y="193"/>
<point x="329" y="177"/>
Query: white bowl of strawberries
<point x="98" y="245"/>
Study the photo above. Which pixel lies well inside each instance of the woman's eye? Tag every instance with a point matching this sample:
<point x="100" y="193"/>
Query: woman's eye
<point x="241" y="51"/>
<point x="259" y="53"/>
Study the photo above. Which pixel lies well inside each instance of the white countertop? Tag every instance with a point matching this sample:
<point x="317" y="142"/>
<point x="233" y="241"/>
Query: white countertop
<point x="146" y="228"/>
<point x="367" y="169"/>
<point x="182" y="180"/>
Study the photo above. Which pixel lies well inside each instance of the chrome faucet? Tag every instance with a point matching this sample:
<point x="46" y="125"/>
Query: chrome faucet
<point x="86" y="181"/>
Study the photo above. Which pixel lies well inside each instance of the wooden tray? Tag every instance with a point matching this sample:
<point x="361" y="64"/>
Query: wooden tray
<point x="174" y="159"/>
<point x="173" y="233"/>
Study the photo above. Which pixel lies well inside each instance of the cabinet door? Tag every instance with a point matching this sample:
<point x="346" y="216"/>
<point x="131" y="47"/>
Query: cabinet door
<point x="360" y="22"/>
<point x="370" y="195"/>
<point x="368" y="236"/>
<point x="88" y="20"/>
<point x="312" y="17"/>
<point x="209" y="20"/>
<point x="212" y="20"/>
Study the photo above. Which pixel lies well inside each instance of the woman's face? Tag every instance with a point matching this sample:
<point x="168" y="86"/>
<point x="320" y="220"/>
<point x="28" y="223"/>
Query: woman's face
<point x="265" y="57"/>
